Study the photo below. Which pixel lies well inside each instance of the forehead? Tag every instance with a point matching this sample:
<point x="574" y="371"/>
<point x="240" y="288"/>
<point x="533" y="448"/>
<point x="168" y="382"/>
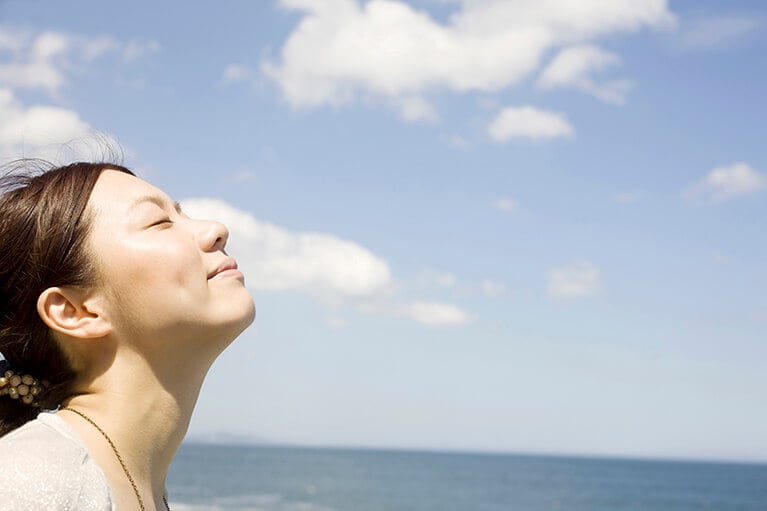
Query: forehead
<point x="116" y="193"/>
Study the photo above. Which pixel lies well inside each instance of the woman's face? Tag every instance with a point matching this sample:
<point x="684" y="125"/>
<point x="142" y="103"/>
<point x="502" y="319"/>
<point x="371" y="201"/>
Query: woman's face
<point x="165" y="276"/>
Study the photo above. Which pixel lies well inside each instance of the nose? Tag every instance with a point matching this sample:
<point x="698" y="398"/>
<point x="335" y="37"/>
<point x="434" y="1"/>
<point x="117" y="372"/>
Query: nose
<point x="212" y="235"/>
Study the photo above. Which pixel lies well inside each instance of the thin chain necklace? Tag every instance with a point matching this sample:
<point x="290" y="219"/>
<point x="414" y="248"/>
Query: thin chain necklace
<point x="119" y="458"/>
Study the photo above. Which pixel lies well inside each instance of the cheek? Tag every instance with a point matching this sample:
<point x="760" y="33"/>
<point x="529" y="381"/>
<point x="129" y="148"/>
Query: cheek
<point x="152" y="272"/>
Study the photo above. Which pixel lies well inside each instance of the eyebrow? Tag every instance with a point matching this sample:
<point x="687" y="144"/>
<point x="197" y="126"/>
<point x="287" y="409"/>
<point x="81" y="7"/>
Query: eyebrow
<point x="155" y="199"/>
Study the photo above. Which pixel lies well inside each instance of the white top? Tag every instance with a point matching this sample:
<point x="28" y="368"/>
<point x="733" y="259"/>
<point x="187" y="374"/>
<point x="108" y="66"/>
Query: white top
<point x="44" y="465"/>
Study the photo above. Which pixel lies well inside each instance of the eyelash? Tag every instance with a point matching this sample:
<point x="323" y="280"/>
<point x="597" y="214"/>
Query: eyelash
<point x="163" y="221"/>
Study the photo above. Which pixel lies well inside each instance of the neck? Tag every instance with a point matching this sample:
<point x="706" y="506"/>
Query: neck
<point x="144" y="415"/>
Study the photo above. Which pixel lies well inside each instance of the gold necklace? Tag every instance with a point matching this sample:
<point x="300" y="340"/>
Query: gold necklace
<point x="119" y="458"/>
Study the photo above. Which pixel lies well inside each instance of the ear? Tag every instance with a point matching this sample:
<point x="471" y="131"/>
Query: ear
<point x="72" y="312"/>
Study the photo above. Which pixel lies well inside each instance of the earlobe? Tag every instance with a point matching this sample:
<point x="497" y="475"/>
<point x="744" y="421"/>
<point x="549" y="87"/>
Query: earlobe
<point x="70" y="312"/>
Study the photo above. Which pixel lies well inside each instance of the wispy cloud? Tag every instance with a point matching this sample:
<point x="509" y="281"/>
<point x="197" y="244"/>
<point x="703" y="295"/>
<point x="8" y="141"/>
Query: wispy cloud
<point x="417" y="109"/>
<point x="430" y="313"/>
<point x="433" y="313"/>
<point x="234" y="73"/>
<point x="458" y="142"/>
<point x="437" y="278"/>
<point x="493" y="287"/>
<point x="42" y="60"/>
<point x="574" y="67"/>
<point x="344" y="51"/>
<point x="244" y="176"/>
<point x="715" y="32"/>
<point x="528" y="122"/>
<point x="139" y="48"/>
<point x="33" y="62"/>
<point x="729" y="182"/>
<point x="505" y="204"/>
<point x="575" y="280"/>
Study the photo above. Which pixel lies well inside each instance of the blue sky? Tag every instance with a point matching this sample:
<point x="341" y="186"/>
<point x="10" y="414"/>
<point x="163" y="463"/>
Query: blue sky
<point x="502" y="226"/>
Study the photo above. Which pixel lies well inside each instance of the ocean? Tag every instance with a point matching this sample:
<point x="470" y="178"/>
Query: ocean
<point x="257" y="478"/>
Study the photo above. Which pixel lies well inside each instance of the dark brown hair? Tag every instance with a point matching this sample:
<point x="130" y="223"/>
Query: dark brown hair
<point x="44" y="228"/>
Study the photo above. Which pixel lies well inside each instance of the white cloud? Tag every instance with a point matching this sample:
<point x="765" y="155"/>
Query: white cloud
<point x="32" y="62"/>
<point x="43" y="131"/>
<point x="274" y="258"/>
<point x="574" y="281"/>
<point x="42" y="60"/>
<point x="505" y="204"/>
<point x="729" y="182"/>
<point x="322" y="265"/>
<point x="567" y="19"/>
<point x="343" y="50"/>
<point x="493" y="288"/>
<point x="573" y="67"/>
<point x="49" y="45"/>
<point x="575" y="63"/>
<point x="33" y="75"/>
<point x="528" y="122"/>
<point x="432" y="313"/>
<point x="417" y="109"/>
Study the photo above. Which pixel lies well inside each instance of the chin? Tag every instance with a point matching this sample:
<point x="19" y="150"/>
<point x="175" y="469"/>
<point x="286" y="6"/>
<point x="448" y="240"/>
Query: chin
<point x="241" y="317"/>
<point x="250" y="316"/>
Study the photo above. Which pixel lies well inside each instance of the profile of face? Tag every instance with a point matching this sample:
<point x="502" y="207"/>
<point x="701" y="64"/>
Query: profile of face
<point x="167" y="282"/>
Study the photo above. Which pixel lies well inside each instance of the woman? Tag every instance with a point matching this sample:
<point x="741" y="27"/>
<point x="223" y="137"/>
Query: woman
<point x="113" y="306"/>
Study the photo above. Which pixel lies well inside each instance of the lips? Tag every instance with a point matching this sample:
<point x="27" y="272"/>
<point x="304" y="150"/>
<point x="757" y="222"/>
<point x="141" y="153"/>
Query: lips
<point x="227" y="265"/>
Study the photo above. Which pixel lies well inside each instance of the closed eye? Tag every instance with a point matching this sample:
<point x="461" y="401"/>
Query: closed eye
<point x="161" y="222"/>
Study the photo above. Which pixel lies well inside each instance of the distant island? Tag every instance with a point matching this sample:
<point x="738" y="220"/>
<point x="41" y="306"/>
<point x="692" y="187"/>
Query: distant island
<point x="226" y="438"/>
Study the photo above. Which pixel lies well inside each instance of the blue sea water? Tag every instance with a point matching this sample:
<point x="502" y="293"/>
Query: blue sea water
<point x="249" y="478"/>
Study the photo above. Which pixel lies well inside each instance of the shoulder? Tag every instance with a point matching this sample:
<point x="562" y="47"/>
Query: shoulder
<point x="46" y="466"/>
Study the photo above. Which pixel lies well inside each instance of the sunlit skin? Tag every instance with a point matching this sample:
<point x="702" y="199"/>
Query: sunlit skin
<point x="156" y="262"/>
<point x="167" y="301"/>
